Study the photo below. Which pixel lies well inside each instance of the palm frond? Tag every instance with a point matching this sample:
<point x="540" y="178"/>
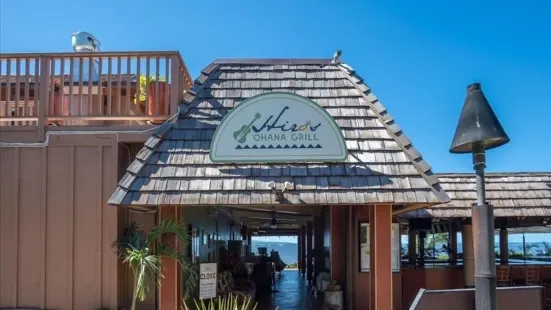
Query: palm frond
<point x="131" y="238"/>
<point x="227" y="302"/>
<point x="168" y="226"/>
<point x="145" y="268"/>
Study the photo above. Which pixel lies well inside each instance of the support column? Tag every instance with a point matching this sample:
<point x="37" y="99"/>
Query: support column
<point x="303" y="251"/>
<point x="453" y="244"/>
<point x="319" y="259"/>
<point x="503" y="246"/>
<point x="412" y="246"/>
<point x="422" y="236"/>
<point x="380" y="260"/>
<point x="170" y="289"/>
<point x="338" y="248"/>
<point x="299" y="250"/>
<point x="468" y="255"/>
<point x="309" y="251"/>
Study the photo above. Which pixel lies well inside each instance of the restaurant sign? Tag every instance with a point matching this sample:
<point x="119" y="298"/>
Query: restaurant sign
<point x="278" y="127"/>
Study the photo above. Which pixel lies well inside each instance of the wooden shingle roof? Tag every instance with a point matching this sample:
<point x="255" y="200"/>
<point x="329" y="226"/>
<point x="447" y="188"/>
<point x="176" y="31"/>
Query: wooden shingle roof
<point x="511" y="194"/>
<point x="174" y="168"/>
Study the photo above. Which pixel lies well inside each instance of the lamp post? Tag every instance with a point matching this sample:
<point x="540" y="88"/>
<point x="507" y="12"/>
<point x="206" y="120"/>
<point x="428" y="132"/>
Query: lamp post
<point x="479" y="130"/>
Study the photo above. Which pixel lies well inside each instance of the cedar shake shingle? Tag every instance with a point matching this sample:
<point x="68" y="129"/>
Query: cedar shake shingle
<point x="174" y="168"/>
<point x="511" y="194"/>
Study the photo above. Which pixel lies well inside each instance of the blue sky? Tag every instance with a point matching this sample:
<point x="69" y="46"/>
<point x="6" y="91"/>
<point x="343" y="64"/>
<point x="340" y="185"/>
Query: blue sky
<point x="417" y="56"/>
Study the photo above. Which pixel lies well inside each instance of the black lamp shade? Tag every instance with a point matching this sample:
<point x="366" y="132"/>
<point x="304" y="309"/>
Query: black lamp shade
<point x="477" y="124"/>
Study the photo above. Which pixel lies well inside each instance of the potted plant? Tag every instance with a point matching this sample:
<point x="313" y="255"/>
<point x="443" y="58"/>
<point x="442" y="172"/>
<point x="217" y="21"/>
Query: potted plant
<point x="147" y="89"/>
<point x="144" y="252"/>
<point x="56" y="108"/>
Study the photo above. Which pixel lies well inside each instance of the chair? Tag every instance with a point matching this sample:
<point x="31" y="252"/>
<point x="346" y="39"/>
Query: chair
<point x="503" y="275"/>
<point x="533" y="275"/>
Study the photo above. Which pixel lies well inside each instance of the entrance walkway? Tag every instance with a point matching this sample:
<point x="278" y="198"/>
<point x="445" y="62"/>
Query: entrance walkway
<point x="294" y="293"/>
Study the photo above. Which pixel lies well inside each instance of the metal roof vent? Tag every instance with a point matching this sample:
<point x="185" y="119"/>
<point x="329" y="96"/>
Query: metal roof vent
<point x="84" y="42"/>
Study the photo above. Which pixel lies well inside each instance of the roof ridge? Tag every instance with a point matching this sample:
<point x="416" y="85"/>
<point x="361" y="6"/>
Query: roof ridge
<point x="274" y="61"/>
<point x="395" y="131"/>
<point x="469" y="174"/>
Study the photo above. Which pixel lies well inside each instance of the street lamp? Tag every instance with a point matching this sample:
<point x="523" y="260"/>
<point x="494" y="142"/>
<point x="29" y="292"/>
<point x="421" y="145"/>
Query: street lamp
<point x="479" y="130"/>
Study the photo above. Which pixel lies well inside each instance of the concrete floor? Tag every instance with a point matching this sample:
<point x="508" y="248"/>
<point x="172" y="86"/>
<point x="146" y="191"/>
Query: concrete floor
<point x="294" y="293"/>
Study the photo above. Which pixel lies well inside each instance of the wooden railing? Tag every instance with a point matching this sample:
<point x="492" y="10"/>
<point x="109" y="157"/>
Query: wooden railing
<point x="87" y="89"/>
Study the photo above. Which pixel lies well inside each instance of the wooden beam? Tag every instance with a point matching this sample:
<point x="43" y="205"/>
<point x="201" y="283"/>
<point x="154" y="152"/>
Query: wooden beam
<point x="299" y="209"/>
<point x="244" y="215"/>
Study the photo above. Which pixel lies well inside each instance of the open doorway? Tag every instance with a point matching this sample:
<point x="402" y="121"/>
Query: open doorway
<point x="282" y="254"/>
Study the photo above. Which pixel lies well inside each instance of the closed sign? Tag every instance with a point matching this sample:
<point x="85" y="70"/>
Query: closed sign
<point x="207" y="280"/>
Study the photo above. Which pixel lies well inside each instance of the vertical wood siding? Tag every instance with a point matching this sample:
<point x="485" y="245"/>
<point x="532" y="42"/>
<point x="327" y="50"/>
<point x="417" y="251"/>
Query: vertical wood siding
<point x="56" y="228"/>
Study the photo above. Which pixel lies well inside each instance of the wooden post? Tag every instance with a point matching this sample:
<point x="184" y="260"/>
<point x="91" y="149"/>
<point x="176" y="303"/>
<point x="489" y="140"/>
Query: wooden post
<point x="319" y="259"/>
<point x="339" y="251"/>
<point x="309" y="251"/>
<point x="303" y="249"/>
<point x="412" y="246"/>
<point x="453" y="244"/>
<point x="468" y="255"/>
<point x="380" y="260"/>
<point x="170" y="296"/>
<point x="299" y="250"/>
<point x="43" y="96"/>
<point x="503" y="246"/>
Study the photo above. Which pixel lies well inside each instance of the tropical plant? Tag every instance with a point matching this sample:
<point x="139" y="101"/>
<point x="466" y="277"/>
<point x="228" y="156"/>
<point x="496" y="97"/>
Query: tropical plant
<point x="143" y="85"/>
<point x="227" y="302"/>
<point x="436" y="244"/>
<point x="144" y="252"/>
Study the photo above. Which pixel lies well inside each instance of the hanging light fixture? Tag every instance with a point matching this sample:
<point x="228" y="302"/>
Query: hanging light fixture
<point x="479" y="130"/>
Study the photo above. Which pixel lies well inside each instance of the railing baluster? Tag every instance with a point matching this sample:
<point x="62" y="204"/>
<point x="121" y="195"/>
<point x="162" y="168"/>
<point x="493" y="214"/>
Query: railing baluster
<point x="17" y="85"/>
<point x="157" y="102"/>
<point x="127" y="81"/>
<point x="80" y="85"/>
<point x="26" y="90"/>
<point x="175" y="77"/>
<point x="137" y="100"/>
<point x="71" y="85"/>
<point x="119" y="86"/>
<point x="167" y="88"/>
<point x="43" y="101"/>
<point x="8" y="88"/>
<point x="147" y="112"/>
<point x="51" y="89"/>
<point x="61" y="94"/>
<point x="36" y="101"/>
<point x="90" y="84"/>
<point x="109" y="64"/>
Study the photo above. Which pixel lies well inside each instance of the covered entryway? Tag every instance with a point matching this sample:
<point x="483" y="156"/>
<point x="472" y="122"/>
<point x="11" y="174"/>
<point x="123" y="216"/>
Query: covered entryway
<point x="292" y="134"/>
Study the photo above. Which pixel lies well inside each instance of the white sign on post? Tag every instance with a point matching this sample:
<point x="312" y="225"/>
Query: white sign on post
<point x="207" y="280"/>
<point x="364" y="247"/>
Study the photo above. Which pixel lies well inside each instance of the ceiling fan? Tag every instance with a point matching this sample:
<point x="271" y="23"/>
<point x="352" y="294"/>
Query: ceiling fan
<point x="273" y="222"/>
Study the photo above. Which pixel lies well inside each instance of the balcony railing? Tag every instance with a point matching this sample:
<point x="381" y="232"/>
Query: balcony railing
<point x="91" y="89"/>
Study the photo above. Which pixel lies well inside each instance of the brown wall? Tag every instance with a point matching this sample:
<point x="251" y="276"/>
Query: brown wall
<point x="362" y="288"/>
<point x="55" y="226"/>
<point x="406" y="283"/>
<point x="510" y="298"/>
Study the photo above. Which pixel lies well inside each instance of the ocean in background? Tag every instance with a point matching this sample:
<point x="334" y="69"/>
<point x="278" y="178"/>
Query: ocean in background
<point x="287" y="251"/>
